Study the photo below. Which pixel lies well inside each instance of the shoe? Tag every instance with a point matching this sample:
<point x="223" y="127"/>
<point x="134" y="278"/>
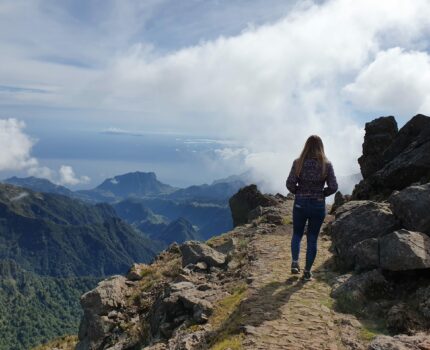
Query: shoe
<point x="295" y="269"/>
<point x="307" y="275"/>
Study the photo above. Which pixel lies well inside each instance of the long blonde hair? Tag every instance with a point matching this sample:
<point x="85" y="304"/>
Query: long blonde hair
<point x="313" y="148"/>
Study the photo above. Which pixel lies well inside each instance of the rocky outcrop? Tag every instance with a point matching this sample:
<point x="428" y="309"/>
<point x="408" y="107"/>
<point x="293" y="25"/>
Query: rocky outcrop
<point x="383" y="233"/>
<point x="247" y="199"/>
<point x="380" y="134"/>
<point x="404" y="162"/>
<point x="339" y="200"/>
<point x="355" y="222"/>
<point x="101" y="306"/>
<point x="412" y="207"/>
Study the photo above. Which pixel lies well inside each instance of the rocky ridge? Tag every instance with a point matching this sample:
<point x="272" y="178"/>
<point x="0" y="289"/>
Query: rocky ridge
<point x="372" y="279"/>
<point x="381" y="234"/>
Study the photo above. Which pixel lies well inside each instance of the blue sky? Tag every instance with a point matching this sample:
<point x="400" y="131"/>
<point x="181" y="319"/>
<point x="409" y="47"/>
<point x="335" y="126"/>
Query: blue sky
<point x="252" y="78"/>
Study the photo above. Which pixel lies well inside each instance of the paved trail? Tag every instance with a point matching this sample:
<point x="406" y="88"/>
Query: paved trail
<point x="282" y="311"/>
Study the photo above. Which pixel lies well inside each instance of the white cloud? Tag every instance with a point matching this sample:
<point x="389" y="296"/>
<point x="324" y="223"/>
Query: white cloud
<point x="396" y="82"/>
<point x="42" y="172"/>
<point x="272" y="86"/>
<point x="16" y="148"/>
<point x="15" y="145"/>
<point x="228" y="153"/>
<point x="268" y="88"/>
<point x="68" y="176"/>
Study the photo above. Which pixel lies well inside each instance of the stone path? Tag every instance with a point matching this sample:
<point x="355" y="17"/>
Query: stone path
<point x="282" y="311"/>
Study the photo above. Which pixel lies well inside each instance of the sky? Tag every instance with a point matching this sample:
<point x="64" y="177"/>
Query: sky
<point x="197" y="90"/>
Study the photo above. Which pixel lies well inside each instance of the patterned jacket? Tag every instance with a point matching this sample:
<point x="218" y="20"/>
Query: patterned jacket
<point x="310" y="183"/>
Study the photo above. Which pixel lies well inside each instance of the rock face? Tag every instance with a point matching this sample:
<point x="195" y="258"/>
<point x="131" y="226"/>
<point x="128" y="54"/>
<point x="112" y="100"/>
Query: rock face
<point x="405" y="161"/>
<point x="412" y="207"/>
<point x="355" y="222"/>
<point x="404" y="250"/>
<point x="380" y="133"/>
<point x="366" y="254"/>
<point x="98" y="304"/>
<point x="383" y="233"/>
<point x="247" y="199"/>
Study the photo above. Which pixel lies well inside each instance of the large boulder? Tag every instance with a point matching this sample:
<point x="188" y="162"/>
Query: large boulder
<point x="380" y="133"/>
<point x="357" y="221"/>
<point x="109" y="296"/>
<point x="404" y="162"/>
<point x="247" y="199"/>
<point x="411" y="206"/>
<point x="194" y="252"/>
<point x="186" y="300"/>
<point x="404" y="250"/>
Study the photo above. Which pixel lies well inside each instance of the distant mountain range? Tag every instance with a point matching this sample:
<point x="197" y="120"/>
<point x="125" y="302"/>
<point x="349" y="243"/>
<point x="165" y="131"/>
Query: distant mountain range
<point x="150" y="205"/>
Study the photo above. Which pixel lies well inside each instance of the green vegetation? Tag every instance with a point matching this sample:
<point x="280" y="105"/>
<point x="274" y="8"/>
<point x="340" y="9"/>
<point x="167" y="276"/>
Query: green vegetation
<point x="371" y="328"/>
<point x="227" y="318"/>
<point x="58" y="236"/>
<point x="35" y="309"/>
<point x="287" y="220"/>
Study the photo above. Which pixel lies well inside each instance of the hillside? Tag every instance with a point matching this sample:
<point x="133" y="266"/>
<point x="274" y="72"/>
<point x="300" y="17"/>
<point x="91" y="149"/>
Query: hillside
<point x="35" y="309"/>
<point x="149" y="205"/>
<point x="59" y="236"/>
<point x="39" y="185"/>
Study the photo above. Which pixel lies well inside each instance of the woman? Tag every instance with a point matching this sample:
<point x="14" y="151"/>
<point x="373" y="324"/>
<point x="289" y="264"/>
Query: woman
<point x="306" y="180"/>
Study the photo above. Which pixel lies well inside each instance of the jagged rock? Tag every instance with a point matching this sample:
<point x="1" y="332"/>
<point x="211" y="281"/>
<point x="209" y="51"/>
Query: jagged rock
<point x="290" y="196"/>
<point x="192" y="341"/>
<point x="411" y="206"/>
<point x="255" y="213"/>
<point x="186" y="299"/>
<point x="355" y="291"/>
<point x="274" y="216"/>
<point x="404" y="250"/>
<point x="380" y="133"/>
<point x="339" y="199"/>
<point x="400" y="319"/>
<point x="401" y="342"/>
<point x="201" y="265"/>
<point x="194" y="252"/>
<point x="357" y="221"/>
<point x="245" y="200"/>
<point x="109" y="295"/>
<point x="405" y="161"/>
<point x="226" y="246"/>
<point x="135" y="272"/>
<point x="366" y="254"/>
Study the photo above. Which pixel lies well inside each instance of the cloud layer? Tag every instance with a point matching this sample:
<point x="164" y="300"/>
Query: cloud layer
<point x="323" y="68"/>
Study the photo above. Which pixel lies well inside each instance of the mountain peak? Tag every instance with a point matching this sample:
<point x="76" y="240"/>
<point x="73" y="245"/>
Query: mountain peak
<point x="138" y="184"/>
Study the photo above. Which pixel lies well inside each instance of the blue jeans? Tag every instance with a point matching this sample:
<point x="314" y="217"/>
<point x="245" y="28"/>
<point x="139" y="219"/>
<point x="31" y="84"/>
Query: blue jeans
<point x="312" y="211"/>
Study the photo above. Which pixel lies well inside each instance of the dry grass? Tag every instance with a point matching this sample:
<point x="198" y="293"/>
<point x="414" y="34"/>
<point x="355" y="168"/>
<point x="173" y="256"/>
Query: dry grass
<point x="67" y="342"/>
